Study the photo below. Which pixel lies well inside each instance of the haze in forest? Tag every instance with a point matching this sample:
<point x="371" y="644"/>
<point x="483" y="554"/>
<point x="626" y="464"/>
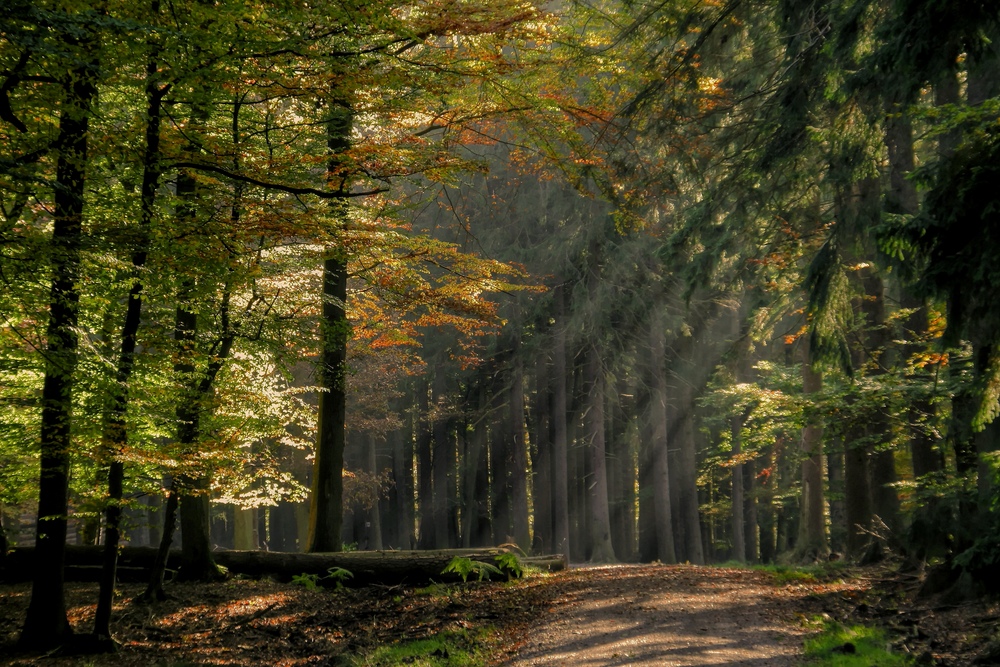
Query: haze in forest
<point x="621" y="281"/>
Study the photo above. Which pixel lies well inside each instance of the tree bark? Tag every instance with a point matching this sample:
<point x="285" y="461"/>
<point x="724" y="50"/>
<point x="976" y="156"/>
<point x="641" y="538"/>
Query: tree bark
<point x="46" y="624"/>
<point x="661" y="510"/>
<point x="541" y="478"/>
<point x="115" y="434"/>
<point x="812" y="528"/>
<point x="835" y="480"/>
<point x="326" y="511"/>
<point x="687" y="467"/>
<point x="154" y="590"/>
<point x="519" y="456"/>
<point x="560" y="413"/>
<point x="425" y="475"/>
<point x="474" y="502"/>
<point x="601" y="550"/>
<point x="737" y="519"/>
<point x="442" y="459"/>
<point x="367" y="567"/>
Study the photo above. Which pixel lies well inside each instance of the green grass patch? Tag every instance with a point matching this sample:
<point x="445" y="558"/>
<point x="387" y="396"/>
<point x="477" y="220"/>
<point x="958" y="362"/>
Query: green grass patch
<point x="448" y="649"/>
<point x="855" y="646"/>
<point x="784" y="574"/>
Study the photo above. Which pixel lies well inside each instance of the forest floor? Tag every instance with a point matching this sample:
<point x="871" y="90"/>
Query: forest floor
<point x="613" y="615"/>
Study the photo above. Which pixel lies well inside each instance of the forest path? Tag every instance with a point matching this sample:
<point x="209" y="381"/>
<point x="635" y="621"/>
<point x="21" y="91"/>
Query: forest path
<point x="668" y="616"/>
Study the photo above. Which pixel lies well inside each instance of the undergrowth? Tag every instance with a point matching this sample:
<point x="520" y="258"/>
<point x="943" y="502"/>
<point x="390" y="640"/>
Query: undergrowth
<point x="784" y="574"/>
<point x="838" y="645"/>
<point x="464" y="648"/>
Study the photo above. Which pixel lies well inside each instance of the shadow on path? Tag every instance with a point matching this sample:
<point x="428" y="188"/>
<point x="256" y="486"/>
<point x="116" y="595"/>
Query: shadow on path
<point x="668" y="616"/>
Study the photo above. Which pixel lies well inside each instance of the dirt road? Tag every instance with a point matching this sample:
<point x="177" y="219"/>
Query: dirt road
<point x="667" y="616"/>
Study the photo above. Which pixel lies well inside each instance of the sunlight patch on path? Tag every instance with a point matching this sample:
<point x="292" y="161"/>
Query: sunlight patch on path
<point x="670" y="616"/>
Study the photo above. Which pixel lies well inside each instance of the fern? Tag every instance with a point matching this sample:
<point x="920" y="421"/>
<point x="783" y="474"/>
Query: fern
<point x="510" y="564"/>
<point x="463" y="567"/>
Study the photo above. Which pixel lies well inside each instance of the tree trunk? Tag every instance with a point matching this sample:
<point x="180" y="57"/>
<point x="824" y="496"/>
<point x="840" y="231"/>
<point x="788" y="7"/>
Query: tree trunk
<point x="838" y="515"/>
<point x="688" y="474"/>
<point x="541" y="479"/>
<point x="476" y="525"/>
<point x="812" y="528"/>
<point x="243" y="529"/>
<point x="442" y="459"/>
<point x="738" y="535"/>
<point x="284" y="528"/>
<point x="46" y="624"/>
<point x="885" y="500"/>
<point x="327" y="504"/>
<point x="929" y="528"/>
<point x="751" y="538"/>
<point x="425" y="477"/>
<point x="560" y="413"/>
<point x="388" y="568"/>
<point x="621" y="472"/>
<point x="601" y="550"/>
<point x="768" y="537"/>
<point x="114" y="432"/>
<point x="661" y="510"/>
<point x="500" y="453"/>
<point x="154" y="590"/>
<point x="402" y="474"/>
<point x="374" y="523"/>
<point x="857" y="493"/>
<point x="327" y="508"/>
<point x="519" y="456"/>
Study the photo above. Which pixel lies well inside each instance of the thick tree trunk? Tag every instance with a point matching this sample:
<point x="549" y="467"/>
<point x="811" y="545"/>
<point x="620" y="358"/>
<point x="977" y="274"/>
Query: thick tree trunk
<point x="46" y="624"/>
<point x="327" y="507"/>
<point x="367" y="567"/>
<point x="327" y="503"/>
<point x="244" y="537"/>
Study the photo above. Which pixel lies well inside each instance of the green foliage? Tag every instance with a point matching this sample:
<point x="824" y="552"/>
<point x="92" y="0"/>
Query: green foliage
<point x="307" y="580"/>
<point x="312" y="581"/>
<point x="464" y="567"/>
<point x="510" y="564"/>
<point x="338" y="575"/>
<point x="449" y="649"/>
<point x="856" y="646"/>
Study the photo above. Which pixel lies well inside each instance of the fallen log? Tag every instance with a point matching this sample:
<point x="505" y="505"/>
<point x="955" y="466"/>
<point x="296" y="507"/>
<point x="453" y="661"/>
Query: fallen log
<point x="366" y="567"/>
